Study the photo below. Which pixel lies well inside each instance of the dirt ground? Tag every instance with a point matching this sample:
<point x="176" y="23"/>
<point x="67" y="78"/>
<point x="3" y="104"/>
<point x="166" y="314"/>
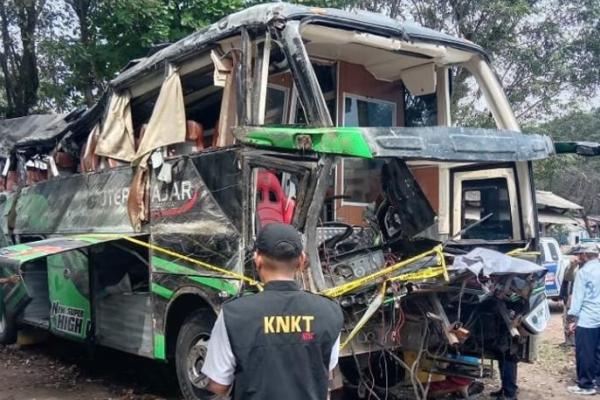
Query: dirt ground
<point x="554" y="370"/>
<point x="57" y="370"/>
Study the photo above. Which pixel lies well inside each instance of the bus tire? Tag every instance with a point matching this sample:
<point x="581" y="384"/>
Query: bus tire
<point x="190" y="352"/>
<point x="8" y="329"/>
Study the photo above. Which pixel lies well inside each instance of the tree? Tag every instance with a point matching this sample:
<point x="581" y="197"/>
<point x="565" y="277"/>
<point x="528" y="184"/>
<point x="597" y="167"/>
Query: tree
<point x="542" y="49"/>
<point x="114" y="32"/>
<point x="18" y="58"/>
<point x="573" y="177"/>
<point x="545" y="51"/>
<point x="81" y="53"/>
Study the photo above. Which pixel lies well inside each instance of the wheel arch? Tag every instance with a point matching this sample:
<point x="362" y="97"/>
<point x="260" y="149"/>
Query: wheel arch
<point x="185" y="301"/>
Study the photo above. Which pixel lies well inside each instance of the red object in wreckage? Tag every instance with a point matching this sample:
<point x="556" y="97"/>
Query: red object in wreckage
<point x="452" y="384"/>
<point x="272" y="205"/>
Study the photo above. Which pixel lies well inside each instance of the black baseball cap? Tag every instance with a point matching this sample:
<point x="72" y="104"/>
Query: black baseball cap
<point x="279" y="241"/>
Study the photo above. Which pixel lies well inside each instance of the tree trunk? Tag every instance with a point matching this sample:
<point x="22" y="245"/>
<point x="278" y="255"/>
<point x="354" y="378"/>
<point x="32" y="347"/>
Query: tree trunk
<point x="89" y="78"/>
<point x="28" y="74"/>
<point x="6" y="59"/>
<point x="21" y="79"/>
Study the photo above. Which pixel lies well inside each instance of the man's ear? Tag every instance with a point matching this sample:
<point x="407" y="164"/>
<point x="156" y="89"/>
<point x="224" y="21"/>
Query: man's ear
<point x="257" y="260"/>
<point x="302" y="261"/>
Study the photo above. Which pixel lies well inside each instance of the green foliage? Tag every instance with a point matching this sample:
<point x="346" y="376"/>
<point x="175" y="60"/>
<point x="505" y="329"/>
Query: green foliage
<point x="128" y="29"/>
<point x="125" y="30"/>
<point x="573" y="177"/>
<point x="545" y="52"/>
<point x="109" y="34"/>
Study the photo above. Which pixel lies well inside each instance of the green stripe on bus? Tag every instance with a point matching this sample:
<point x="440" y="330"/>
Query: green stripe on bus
<point x="340" y="140"/>
<point x="89" y="239"/>
<point x="159" y="346"/>
<point x="162" y="291"/>
<point x="215" y="283"/>
<point x="18" y="247"/>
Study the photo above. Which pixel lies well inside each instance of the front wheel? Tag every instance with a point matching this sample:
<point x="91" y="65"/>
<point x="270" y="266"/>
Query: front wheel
<point x="192" y="345"/>
<point x="8" y="329"/>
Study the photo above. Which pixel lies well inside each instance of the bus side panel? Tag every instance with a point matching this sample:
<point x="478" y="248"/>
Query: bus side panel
<point x="168" y="291"/>
<point x="122" y="296"/>
<point x="69" y="292"/>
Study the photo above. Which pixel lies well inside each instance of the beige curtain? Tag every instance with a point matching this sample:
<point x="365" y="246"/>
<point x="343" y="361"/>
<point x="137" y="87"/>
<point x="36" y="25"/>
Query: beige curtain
<point x="89" y="158"/>
<point x="167" y="124"/>
<point x="116" y="137"/>
<point x="138" y="200"/>
<point x="226" y="69"/>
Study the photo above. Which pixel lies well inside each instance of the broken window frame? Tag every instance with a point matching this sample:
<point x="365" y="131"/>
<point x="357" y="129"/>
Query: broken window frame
<point x="342" y="165"/>
<point x="459" y="175"/>
<point x="285" y="115"/>
<point x="252" y="160"/>
<point x="315" y="108"/>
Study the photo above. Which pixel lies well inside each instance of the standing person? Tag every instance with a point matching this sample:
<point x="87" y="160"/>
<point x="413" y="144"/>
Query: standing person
<point x="566" y="291"/>
<point x="507" y="365"/>
<point x="585" y="315"/>
<point x="281" y="343"/>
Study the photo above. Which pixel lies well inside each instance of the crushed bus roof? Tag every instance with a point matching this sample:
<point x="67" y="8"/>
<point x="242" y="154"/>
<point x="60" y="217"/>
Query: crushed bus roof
<point x="261" y="15"/>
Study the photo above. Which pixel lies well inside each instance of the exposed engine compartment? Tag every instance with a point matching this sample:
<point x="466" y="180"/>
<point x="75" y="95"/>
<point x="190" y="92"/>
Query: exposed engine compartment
<point x="437" y="312"/>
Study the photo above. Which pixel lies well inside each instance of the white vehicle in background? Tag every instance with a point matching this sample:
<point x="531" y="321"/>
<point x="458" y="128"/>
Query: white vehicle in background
<point x="556" y="263"/>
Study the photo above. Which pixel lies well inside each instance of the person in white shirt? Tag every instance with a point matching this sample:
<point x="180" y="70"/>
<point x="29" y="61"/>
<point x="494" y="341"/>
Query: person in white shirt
<point x="584" y="314"/>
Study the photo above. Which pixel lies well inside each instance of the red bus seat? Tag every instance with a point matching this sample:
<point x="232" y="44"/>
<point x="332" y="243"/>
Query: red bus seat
<point x="272" y="205"/>
<point x="194" y="140"/>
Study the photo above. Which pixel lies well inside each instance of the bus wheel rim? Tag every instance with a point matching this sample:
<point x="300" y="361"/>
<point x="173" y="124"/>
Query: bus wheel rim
<point x="194" y="362"/>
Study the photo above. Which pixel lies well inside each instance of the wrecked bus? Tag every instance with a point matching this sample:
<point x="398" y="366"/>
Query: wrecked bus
<point x="131" y="222"/>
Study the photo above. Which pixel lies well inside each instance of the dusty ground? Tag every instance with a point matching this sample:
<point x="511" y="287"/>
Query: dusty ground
<point x="58" y="370"/>
<point x="549" y="377"/>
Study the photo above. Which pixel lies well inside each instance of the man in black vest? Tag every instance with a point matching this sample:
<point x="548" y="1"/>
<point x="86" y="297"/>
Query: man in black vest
<point x="280" y="343"/>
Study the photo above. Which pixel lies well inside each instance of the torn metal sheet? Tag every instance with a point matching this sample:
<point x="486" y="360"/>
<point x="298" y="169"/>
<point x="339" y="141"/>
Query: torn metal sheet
<point x="30" y="129"/>
<point x="84" y="203"/>
<point x="43" y="132"/>
<point x="21" y="253"/>
<point x="195" y="218"/>
<point x="490" y="262"/>
<point x="405" y="210"/>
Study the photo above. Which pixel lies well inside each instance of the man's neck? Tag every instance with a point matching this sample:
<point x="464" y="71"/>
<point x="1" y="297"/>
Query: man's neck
<point x="277" y="277"/>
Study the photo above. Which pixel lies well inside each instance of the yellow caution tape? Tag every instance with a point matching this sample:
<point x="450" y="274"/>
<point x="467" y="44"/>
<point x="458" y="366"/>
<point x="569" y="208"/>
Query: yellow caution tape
<point x="522" y="251"/>
<point x="375" y="304"/>
<point x="357" y="283"/>
<point x="230" y="274"/>
<point x="425" y="273"/>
